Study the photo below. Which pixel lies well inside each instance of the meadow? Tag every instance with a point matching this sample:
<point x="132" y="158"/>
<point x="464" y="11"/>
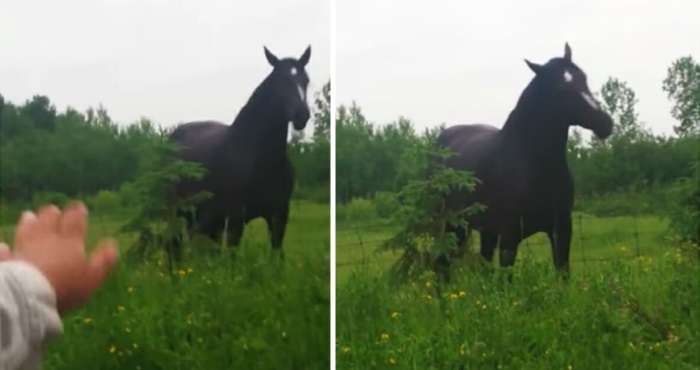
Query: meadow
<point x="220" y="309"/>
<point x="632" y="303"/>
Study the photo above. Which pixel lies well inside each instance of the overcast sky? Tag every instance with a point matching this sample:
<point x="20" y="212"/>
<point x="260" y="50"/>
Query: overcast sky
<point x="167" y="60"/>
<point x="462" y="61"/>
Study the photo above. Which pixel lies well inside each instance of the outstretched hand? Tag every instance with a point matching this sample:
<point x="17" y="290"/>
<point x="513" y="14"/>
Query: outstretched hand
<point x="54" y="242"/>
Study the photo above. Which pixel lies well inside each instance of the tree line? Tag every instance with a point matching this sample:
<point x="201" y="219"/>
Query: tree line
<point x="47" y="155"/>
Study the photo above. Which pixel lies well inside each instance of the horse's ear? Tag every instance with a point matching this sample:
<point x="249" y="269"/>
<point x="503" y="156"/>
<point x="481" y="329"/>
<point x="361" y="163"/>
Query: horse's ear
<point x="534" y="66"/>
<point x="567" y="52"/>
<point x="305" y="57"/>
<point x="271" y="58"/>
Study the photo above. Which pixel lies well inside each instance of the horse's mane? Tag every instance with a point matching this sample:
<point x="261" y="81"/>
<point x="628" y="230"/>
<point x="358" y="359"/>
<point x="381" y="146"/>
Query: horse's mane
<point x="258" y="97"/>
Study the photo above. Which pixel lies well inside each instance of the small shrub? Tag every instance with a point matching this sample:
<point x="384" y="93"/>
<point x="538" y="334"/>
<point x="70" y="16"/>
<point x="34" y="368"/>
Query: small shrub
<point x="105" y="201"/>
<point x="424" y="214"/>
<point x="360" y="210"/>
<point x="386" y="204"/>
<point x="48" y="197"/>
<point x="684" y="213"/>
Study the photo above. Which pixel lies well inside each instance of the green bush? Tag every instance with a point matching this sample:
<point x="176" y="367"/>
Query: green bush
<point x="48" y="197"/>
<point x="684" y="213"/>
<point x="359" y="210"/>
<point x="105" y="201"/>
<point x="386" y="204"/>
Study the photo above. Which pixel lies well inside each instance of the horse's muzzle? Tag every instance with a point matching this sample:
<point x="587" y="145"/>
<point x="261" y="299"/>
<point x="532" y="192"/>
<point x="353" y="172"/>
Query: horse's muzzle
<point x="604" y="128"/>
<point x="301" y="118"/>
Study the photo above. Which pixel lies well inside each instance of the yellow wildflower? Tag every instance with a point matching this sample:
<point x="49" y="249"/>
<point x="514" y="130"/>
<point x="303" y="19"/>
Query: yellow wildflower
<point x="453" y="296"/>
<point x="130" y="289"/>
<point x="87" y="320"/>
<point x="384" y="337"/>
<point x="427" y="284"/>
<point x="346" y="350"/>
<point x="392" y="361"/>
<point x="181" y="272"/>
<point x="190" y="270"/>
<point x="121" y="308"/>
<point x="112" y="349"/>
<point x="428" y="297"/>
<point x="462" y="294"/>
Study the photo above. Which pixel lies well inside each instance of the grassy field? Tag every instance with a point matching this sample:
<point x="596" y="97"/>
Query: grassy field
<point x="216" y="312"/>
<point x="626" y="312"/>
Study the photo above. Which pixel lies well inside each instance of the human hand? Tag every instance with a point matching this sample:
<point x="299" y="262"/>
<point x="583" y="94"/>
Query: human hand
<point x="54" y="242"/>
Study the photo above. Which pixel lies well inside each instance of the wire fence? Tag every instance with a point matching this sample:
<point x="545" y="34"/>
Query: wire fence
<point x="636" y="236"/>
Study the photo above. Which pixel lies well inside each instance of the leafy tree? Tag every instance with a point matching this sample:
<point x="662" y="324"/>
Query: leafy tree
<point x="682" y="85"/>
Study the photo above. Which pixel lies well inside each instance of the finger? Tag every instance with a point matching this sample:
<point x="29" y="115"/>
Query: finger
<point x="102" y="262"/>
<point x="25" y="229"/>
<point x="48" y="219"/>
<point x="74" y="221"/>
<point x="5" y="252"/>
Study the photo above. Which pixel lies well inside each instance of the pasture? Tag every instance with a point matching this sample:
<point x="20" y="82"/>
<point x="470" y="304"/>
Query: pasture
<point x="219" y="310"/>
<point x="632" y="303"/>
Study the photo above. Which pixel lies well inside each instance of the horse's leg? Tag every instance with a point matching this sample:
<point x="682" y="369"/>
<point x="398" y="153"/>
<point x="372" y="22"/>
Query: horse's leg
<point x="441" y="264"/>
<point x="508" y="249"/>
<point x="213" y="227"/>
<point x="174" y="242"/>
<point x="560" y="239"/>
<point x="236" y="225"/>
<point x="489" y="241"/>
<point x="277" y="225"/>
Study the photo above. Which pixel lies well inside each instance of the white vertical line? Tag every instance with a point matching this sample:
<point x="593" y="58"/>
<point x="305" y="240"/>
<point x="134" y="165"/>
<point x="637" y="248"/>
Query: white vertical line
<point x="334" y="88"/>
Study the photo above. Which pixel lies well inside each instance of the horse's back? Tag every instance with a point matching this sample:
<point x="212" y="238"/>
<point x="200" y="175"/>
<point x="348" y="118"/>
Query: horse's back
<point x="195" y="131"/>
<point x="471" y="142"/>
<point x="198" y="139"/>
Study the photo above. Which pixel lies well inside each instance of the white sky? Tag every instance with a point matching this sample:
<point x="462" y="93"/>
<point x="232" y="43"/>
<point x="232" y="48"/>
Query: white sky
<point x="456" y="61"/>
<point x="170" y="61"/>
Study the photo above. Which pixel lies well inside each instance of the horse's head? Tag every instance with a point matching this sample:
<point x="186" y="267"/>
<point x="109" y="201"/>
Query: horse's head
<point x="290" y="83"/>
<point x="564" y="86"/>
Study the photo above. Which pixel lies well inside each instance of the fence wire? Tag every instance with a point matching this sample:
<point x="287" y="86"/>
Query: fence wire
<point x="631" y="237"/>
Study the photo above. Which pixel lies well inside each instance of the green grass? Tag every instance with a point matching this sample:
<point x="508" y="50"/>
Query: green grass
<point x="220" y="311"/>
<point x="626" y="313"/>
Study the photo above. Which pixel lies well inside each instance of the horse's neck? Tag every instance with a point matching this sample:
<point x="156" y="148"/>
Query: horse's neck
<point x="260" y="129"/>
<point x="529" y="133"/>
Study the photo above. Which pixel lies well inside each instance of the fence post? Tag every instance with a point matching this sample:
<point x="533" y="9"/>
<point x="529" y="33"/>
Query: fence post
<point x="636" y="235"/>
<point x="362" y="246"/>
<point x="583" y="248"/>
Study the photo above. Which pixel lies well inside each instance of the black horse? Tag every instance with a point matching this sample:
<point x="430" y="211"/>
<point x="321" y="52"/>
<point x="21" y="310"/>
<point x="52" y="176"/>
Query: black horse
<point x="248" y="171"/>
<point x="525" y="182"/>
